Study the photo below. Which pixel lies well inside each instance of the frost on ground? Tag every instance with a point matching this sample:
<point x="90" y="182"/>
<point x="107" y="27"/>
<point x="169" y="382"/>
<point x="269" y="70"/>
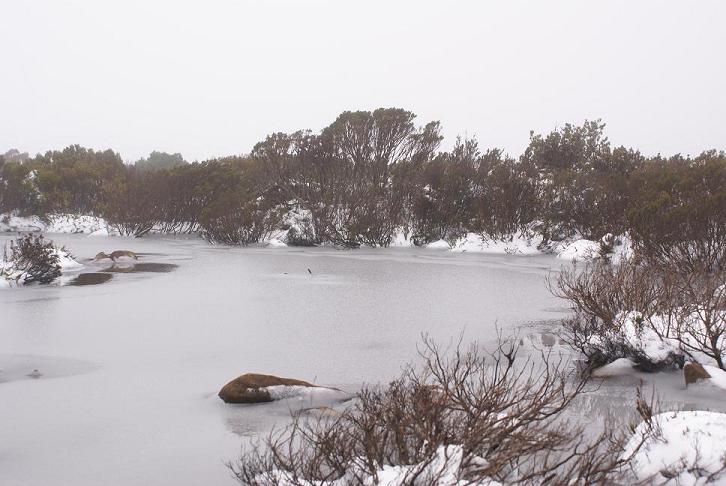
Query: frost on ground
<point x="688" y="448"/>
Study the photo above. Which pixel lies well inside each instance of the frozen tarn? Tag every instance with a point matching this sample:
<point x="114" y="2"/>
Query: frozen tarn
<point x="162" y="345"/>
<point x="686" y="448"/>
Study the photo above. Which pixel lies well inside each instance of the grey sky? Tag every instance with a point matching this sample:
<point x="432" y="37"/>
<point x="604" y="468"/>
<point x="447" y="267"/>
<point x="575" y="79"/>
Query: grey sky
<point x="212" y="78"/>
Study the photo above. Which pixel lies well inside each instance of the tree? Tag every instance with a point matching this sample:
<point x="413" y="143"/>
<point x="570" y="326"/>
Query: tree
<point x="160" y="160"/>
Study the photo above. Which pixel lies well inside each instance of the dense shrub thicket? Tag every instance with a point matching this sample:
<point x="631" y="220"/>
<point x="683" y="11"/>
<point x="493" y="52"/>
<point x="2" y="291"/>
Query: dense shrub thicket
<point x="369" y="175"/>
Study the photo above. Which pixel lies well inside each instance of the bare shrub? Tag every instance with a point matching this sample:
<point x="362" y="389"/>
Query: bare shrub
<point x="682" y="304"/>
<point x="465" y="413"/>
<point x="32" y="259"/>
<point x="701" y="314"/>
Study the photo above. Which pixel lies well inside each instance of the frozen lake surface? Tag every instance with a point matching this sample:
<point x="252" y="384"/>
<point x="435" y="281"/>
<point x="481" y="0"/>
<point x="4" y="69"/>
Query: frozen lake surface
<point x="116" y="383"/>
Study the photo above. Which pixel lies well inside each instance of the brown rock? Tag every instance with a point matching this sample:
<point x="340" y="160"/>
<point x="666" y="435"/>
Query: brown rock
<point x="694" y="372"/>
<point x="252" y="388"/>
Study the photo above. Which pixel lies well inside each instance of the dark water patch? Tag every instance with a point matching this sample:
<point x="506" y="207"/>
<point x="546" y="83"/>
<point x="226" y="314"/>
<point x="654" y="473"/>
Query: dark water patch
<point x="93" y="278"/>
<point x="142" y="268"/>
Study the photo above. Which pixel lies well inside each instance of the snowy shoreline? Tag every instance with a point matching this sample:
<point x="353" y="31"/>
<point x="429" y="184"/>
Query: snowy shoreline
<point x="519" y="244"/>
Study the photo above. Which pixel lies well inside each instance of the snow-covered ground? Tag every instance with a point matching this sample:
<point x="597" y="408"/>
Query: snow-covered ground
<point x="688" y="447"/>
<point x="59" y="223"/>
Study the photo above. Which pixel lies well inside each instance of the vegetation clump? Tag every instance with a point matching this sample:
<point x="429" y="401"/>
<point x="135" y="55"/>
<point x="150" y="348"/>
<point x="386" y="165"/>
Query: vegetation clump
<point x="29" y="259"/>
<point x="464" y="417"/>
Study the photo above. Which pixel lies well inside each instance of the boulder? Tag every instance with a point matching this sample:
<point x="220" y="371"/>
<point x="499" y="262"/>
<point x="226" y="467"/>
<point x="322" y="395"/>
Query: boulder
<point x="254" y="388"/>
<point x="694" y="372"/>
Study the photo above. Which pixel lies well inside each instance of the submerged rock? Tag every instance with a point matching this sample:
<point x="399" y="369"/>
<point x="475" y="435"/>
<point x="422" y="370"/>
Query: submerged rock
<point x="694" y="372"/>
<point x="256" y="388"/>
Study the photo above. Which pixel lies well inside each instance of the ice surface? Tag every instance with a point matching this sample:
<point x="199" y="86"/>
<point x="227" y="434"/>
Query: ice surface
<point x="156" y="347"/>
<point x="130" y="368"/>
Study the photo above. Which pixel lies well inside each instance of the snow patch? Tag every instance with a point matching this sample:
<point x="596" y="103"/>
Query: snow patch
<point x="438" y="245"/>
<point x="445" y="467"/>
<point x="57" y="223"/>
<point x="516" y="244"/>
<point x="686" y="439"/>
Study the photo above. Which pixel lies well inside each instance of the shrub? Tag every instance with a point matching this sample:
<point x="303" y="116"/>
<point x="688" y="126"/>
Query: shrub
<point x="465" y="416"/>
<point x="653" y="313"/>
<point x="30" y="259"/>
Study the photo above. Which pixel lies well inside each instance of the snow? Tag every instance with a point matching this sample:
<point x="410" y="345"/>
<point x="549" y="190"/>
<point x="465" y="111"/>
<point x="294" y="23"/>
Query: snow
<point x="718" y="376"/>
<point x="66" y="261"/>
<point x="438" y="245"/>
<point x="281" y="392"/>
<point x="641" y="335"/>
<point x="619" y="367"/>
<point x="517" y="244"/>
<point x="583" y="250"/>
<point x="580" y="250"/>
<point x="57" y="223"/>
<point x="686" y="439"/>
<point x="444" y="466"/>
<point x="402" y="239"/>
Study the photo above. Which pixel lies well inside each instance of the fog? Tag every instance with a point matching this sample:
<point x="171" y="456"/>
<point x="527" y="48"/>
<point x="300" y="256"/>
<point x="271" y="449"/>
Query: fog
<point x="212" y="78"/>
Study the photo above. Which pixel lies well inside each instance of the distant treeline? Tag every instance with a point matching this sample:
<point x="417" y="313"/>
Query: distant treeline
<point x="369" y="175"/>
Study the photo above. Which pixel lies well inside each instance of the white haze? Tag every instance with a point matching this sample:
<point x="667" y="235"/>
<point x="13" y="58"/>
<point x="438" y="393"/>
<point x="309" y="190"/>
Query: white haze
<point x="214" y="77"/>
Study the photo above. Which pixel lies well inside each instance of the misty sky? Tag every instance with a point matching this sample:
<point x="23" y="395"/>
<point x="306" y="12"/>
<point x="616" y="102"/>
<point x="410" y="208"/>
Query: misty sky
<point x="211" y="78"/>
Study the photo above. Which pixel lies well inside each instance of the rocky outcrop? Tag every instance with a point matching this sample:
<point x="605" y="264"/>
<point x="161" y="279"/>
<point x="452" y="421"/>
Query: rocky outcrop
<point x="694" y="372"/>
<point x="256" y="388"/>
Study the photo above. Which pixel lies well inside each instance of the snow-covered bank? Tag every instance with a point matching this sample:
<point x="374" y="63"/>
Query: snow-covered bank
<point x="685" y="450"/>
<point x="682" y="448"/>
<point x="616" y="248"/>
<point x="58" y="223"/>
<point x="516" y="244"/>
<point x="297" y="230"/>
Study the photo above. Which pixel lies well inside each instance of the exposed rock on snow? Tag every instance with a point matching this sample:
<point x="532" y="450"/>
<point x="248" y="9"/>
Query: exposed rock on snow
<point x="256" y="388"/>
<point x="686" y="448"/>
<point x="694" y="372"/>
